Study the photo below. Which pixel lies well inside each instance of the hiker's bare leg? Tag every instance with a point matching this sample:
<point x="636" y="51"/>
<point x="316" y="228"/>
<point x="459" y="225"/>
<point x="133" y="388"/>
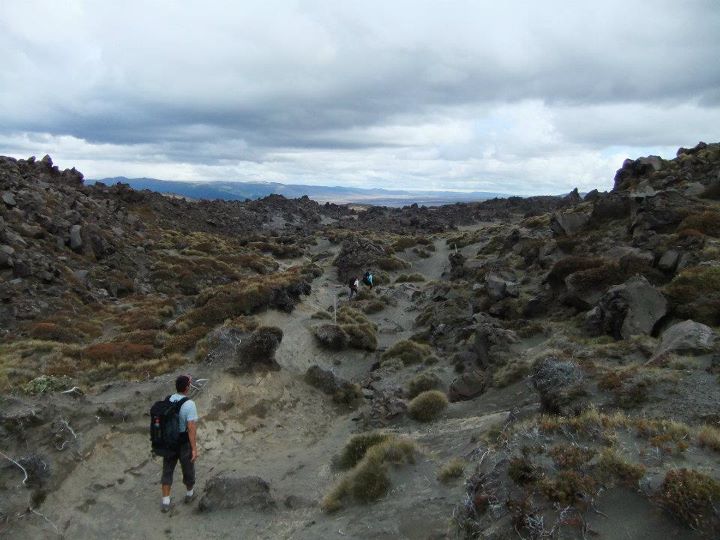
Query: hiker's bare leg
<point x="166" y="490"/>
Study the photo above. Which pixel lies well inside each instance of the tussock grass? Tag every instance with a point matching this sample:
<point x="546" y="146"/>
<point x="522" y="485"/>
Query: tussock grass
<point x="369" y="479"/>
<point x="410" y="278"/>
<point x="612" y="467"/>
<point x="452" y="470"/>
<point x="428" y="406"/>
<point x="423" y="382"/>
<point x="410" y="352"/>
<point x="709" y="437"/>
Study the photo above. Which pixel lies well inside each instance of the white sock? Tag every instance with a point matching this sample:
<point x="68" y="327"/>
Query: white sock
<point x="190" y="492"/>
<point x="166" y="500"/>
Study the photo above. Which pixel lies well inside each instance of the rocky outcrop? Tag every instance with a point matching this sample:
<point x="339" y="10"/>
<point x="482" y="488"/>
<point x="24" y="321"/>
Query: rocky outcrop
<point x="492" y="342"/>
<point x="357" y="254"/>
<point x="687" y="337"/>
<point x="629" y="309"/>
<point x="569" y="223"/>
<point x="467" y="386"/>
<point x="499" y="286"/>
<point x="228" y="491"/>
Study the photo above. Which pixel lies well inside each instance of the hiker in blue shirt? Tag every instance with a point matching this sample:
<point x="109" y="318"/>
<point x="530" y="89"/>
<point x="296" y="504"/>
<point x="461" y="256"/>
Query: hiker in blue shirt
<point x="187" y="452"/>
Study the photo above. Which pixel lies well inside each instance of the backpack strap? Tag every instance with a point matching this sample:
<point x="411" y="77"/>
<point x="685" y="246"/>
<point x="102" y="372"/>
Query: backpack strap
<point x="179" y="402"/>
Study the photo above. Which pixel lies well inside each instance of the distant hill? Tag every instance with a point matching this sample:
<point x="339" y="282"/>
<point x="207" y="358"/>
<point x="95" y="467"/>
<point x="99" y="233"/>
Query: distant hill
<point x="337" y="194"/>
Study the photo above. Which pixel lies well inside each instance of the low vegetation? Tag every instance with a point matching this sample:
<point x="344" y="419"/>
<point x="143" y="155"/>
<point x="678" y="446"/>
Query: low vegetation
<point x="368" y="480"/>
<point x="408" y="351"/>
<point x="428" y="406"/>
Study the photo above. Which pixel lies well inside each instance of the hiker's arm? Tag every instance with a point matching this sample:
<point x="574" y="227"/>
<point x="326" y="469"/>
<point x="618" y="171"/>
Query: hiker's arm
<point x="192" y="435"/>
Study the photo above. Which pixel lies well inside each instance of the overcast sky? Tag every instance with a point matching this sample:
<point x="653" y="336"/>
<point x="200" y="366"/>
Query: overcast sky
<point x="514" y="97"/>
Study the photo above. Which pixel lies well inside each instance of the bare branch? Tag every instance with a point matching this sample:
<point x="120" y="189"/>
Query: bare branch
<point x="16" y="463"/>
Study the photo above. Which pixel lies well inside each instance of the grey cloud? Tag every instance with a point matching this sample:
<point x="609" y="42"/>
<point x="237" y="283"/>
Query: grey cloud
<point x="216" y="82"/>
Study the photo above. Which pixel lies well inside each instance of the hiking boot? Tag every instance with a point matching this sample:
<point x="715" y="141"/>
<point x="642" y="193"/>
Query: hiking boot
<point x="190" y="498"/>
<point x="165" y="508"/>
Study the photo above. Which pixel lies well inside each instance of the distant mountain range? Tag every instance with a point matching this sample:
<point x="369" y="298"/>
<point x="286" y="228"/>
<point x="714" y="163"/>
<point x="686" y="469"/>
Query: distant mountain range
<point x="337" y="194"/>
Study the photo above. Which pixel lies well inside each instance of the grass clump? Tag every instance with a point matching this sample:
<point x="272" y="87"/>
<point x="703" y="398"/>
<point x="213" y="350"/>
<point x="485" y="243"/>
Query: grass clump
<point x="423" y="382"/>
<point x="353" y="329"/>
<point x="392" y="264"/>
<point x="428" y="405"/>
<point x="691" y="497"/>
<point x="410" y="278"/>
<point x="369" y="479"/>
<point x="613" y="467"/>
<point x="452" y="470"/>
<point x="410" y="352"/>
<point x="568" y="487"/>
<point x="709" y="437"/>
<point x="570" y="456"/>
<point x="358" y="445"/>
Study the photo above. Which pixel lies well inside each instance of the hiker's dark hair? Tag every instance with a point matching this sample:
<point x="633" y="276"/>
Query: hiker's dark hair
<point x="182" y="383"/>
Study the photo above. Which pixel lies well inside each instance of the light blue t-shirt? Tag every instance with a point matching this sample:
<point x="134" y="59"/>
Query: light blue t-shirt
<point x="188" y="411"/>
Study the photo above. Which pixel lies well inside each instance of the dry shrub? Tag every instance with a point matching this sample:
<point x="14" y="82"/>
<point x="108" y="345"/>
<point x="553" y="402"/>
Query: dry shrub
<point x="452" y="470"/>
<point x="428" y="405"/>
<point x="691" y="497"/>
<point x="140" y="337"/>
<point x="181" y="343"/>
<point x="707" y="222"/>
<point x="250" y="296"/>
<point x="568" y="487"/>
<point x="47" y="331"/>
<point x="570" y="456"/>
<point x="569" y="265"/>
<point x="695" y="294"/>
<point x="423" y="382"/>
<point x="117" y="352"/>
<point x="522" y="471"/>
<point x="410" y="352"/>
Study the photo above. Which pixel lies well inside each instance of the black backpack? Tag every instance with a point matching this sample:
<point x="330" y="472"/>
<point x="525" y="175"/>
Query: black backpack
<point x="165" y="436"/>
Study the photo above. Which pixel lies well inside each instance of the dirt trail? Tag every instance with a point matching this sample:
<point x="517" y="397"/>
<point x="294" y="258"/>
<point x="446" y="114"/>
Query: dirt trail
<point x="277" y="427"/>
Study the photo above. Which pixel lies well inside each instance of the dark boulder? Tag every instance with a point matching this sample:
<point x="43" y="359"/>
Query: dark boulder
<point x="629" y="309"/>
<point x="228" y="491"/>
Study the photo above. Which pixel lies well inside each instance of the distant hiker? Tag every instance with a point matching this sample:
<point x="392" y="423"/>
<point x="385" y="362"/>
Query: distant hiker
<point x="353" y="284"/>
<point x="173" y="432"/>
<point x="368" y="279"/>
